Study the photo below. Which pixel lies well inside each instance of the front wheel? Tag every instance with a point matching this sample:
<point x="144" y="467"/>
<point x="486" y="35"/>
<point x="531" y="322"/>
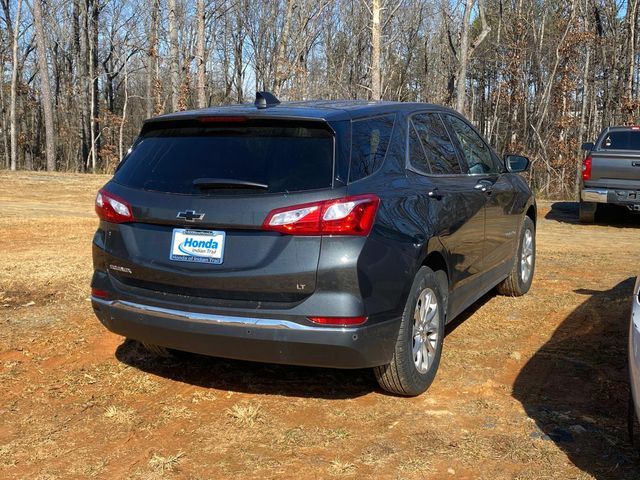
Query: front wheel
<point x="519" y="280"/>
<point x="419" y="344"/>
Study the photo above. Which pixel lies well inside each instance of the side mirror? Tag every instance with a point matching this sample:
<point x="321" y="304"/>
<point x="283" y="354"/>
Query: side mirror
<point x="516" y="163"/>
<point x="588" y="146"/>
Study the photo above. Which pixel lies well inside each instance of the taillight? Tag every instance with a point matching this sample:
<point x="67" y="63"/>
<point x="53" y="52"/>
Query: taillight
<point x="586" y="168"/>
<point x="338" y="321"/>
<point x="112" y="209"/>
<point x="343" y="216"/>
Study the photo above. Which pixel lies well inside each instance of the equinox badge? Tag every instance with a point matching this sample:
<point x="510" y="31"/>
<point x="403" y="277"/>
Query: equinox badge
<point x="190" y="216"/>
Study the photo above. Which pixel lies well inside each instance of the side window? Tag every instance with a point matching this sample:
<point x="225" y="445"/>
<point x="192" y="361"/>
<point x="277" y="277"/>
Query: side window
<point x="476" y="153"/>
<point x="369" y="143"/>
<point x="417" y="157"/>
<point x="438" y="148"/>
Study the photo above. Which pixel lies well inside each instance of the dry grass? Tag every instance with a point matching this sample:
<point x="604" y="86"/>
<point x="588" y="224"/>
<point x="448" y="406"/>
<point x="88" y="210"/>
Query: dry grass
<point x="245" y="414"/>
<point x="123" y="416"/>
<point x="166" y="464"/>
<point x="339" y="468"/>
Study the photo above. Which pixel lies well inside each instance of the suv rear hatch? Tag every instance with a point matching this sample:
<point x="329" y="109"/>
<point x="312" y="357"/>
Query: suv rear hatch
<point x="199" y="192"/>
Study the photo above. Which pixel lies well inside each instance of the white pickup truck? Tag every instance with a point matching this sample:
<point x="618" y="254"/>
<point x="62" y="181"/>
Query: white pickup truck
<point x="611" y="171"/>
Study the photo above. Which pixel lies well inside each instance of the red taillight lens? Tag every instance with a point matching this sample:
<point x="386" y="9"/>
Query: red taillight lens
<point x="586" y="168"/>
<point x="96" y="292"/>
<point x="112" y="209"/>
<point x="339" y="321"/>
<point x="344" y="216"/>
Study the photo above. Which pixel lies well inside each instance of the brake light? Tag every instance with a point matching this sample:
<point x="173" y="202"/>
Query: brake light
<point x="218" y="119"/>
<point x="586" y="168"/>
<point x="338" y="321"/>
<point x="111" y="208"/>
<point x="352" y="215"/>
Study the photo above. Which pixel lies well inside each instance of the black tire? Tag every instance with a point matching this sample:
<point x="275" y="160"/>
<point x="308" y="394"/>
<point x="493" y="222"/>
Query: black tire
<point x="516" y="284"/>
<point x="402" y="376"/>
<point x="587" y="212"/>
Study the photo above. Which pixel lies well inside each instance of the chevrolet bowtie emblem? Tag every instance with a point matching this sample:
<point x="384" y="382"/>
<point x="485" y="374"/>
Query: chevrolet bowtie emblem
<point x="190" y="216"/>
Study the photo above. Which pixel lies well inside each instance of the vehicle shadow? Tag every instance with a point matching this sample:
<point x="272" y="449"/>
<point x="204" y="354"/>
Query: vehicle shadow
<point x="263" y="378"/>
<point x="249" y="377"/>
<point x="609" y="215"/>
<point x="575" y="387"/>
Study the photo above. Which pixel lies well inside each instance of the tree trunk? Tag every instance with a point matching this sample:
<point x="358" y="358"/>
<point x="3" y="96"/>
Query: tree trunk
<point x="200" y="57"/>
<point x="152" y="59"/>
<point x="278" y="75"/>
<point x="173" y="57"/>
<point x="376" y="34"/>
<point x="45" y="86"/>
<point x="13" y="122"/>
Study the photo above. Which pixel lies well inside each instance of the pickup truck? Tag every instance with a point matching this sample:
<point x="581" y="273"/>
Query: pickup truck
<point x="611" y="171"/>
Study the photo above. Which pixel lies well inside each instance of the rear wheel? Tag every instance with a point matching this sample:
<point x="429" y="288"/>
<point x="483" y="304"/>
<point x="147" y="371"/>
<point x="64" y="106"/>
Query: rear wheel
<point x="587" y="212"/>
<point x="419" y="344"/>
<point x="519" y="280"/>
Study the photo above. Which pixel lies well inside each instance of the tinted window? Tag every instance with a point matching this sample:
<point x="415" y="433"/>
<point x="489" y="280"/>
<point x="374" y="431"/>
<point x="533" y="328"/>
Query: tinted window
<point x="417" y="157"/>
<point x="476" y="153"/>
<point x="440" y="152"/>
<point x="285" y="158"/>
<point x="621" y="141"/>
<point x="370" y="140"/>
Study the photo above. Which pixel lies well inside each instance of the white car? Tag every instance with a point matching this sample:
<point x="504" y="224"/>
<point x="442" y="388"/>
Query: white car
<point x="634" y="356"/>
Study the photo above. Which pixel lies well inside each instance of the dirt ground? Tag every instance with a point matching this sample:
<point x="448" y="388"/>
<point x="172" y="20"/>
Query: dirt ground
<point x="528" y="388"/>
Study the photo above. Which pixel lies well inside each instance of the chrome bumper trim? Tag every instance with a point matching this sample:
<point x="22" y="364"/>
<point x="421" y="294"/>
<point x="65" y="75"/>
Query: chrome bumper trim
<point x="598" y="195"/>
<point x="223" y="320"/>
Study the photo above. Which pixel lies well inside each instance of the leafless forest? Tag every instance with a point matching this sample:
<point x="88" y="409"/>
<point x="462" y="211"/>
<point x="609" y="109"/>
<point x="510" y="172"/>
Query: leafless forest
<point x="536" y="76"/>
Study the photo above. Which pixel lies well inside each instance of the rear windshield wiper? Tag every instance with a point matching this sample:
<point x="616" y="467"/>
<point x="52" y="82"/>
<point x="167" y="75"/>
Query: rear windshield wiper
<point x="206" y="183"/>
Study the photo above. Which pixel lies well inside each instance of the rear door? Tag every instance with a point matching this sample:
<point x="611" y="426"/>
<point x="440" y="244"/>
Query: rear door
<point x="194" y="184"/>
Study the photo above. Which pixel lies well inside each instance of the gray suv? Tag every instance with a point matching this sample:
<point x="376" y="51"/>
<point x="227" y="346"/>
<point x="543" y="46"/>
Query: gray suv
<point x="334" y="233"/>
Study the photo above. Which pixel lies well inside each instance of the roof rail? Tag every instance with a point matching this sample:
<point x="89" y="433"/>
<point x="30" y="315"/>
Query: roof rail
<point x="265" y="100"/>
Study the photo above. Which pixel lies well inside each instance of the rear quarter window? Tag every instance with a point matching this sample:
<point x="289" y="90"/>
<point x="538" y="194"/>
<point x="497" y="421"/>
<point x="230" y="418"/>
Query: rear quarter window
<point x="369" y="145"/>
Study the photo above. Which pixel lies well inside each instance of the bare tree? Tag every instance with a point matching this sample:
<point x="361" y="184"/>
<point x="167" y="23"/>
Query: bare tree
<point x="14" y="84"/>
<point x="200" y="56"/>
<point x="43" y="68"/>
<point x="173" y="56"/>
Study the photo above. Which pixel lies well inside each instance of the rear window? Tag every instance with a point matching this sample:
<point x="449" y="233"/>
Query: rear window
<point x="282" y="158"/>
<point x="370" y="140"/>
<point x="629" y="140"/>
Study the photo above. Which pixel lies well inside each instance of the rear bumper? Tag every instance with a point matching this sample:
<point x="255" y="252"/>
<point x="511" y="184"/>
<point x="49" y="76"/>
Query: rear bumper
<point x="615" y="196"/>
<point x="249" y="338"/>
<point x="597" y="195"/>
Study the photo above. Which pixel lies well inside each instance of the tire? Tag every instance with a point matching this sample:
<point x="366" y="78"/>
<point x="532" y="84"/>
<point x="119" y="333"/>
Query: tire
<point x="519" y="280"/>
<point x="157" y="350"/>
<point x="411" y="374"/>
<point x="587" y="212"/>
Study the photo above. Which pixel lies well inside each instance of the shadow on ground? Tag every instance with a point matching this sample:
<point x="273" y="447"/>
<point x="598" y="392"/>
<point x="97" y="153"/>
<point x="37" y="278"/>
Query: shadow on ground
<point x="575" y="387"/>
<point x="609" y="215"/>
<point x="262" y="378"/>
<point x="250" y="377"/>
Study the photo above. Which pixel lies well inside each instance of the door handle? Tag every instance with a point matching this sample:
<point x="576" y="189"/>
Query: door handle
<point x="635" y="164"/>
<point x="434" y="193"/>
<point x="484" y="186"/>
